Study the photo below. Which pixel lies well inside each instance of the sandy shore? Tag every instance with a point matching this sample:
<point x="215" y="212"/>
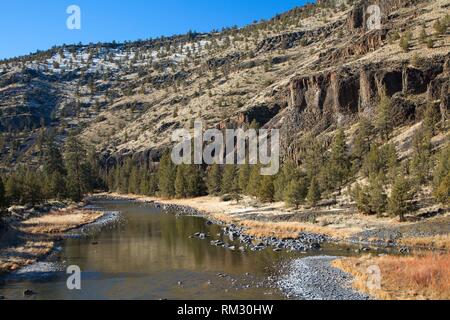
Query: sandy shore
<point x="35" y="238"/>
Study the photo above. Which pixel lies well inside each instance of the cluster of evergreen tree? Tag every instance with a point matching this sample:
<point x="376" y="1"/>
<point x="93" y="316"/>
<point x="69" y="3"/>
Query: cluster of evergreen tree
<point x="378" y="162"/>
<point x="67" y="175"/>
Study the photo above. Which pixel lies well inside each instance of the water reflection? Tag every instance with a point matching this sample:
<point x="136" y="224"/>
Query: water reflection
<point x="150" y="256"/>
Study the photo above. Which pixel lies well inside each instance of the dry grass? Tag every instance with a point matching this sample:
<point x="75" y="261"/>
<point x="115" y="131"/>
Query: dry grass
<point x="287" y="230"/>
<point x="441" y="242"/>
<point x="59" y="221"/>
<point x="14" y="258"/>
<point x="420" y="277"/>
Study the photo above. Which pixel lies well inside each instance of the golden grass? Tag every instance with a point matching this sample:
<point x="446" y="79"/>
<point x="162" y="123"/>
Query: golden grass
<point x="420" y="277"/>
<point x="287" y="229"/>
<point x="14" y="258"/>
<point x="55" y="222"/>
<point x="437" y="242"/>
<point x="59" y="221"/>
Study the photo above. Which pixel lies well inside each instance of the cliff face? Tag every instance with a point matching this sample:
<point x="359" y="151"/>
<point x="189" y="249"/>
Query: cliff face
<point x="305" y="71"/>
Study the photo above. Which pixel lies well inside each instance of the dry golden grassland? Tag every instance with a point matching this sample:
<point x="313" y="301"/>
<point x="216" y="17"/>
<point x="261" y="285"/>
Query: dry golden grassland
<point x="419" y="277"/>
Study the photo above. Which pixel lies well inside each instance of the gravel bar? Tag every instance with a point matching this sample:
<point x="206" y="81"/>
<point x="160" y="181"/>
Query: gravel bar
<point x="313" y="278"/>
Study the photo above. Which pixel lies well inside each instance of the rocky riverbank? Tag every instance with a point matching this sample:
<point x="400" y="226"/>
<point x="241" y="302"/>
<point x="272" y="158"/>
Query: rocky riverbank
<point x="313" y="278"/>
<point x="271" y="225"/>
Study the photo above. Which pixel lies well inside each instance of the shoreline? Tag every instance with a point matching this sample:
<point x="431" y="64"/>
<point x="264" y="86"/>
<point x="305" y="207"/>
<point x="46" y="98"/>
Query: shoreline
<point x="246" y="219"/>
<point x="348" y="277"/>
<point x="34" y="239"/>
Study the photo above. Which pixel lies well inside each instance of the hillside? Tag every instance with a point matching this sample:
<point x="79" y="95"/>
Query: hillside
<point x="309" y="69"/>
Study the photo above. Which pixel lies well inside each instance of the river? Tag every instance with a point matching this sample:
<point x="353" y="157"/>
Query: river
<point x="151" y="255"/>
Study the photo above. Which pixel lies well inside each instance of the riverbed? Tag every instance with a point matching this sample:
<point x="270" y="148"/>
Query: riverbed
<point x="150" y="254"/>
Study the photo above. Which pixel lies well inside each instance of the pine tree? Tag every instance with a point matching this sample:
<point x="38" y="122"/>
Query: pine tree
<point x="266" y="189"/>
<point x="362" y="142"/>
<point x="229" y="174"/>
<point x="32" y="190"/>
<point x="384" y="117"/>
<point x="180" y="182"/>
<point x="361" y="198"/>
<point x="53" y="159"/>
<point x="431" y="119"/>
<point x="244" y="177"/>
<point x="314" y="156"/>
<point x="339" y="162"/>
<point x="314" y="192"/>
<point x="377" y="196"/>
<point x="254" y="181"/>
<point x="421" y="160"/>
<point x="401" y="196"/>
<point x="166" y="176"/>
<point x="236" y="190"/>
<point x="134" y="182"/>
<point x="441" y="177"/>
<point x="287" y="173"/>
<point x="296" y="193"/>
<point x="13" y="190"/>
<point x="77" y="170"/>
<point x="214" y="180"/>
<point x="55" y="186"/>
<point x="194" y="181"/>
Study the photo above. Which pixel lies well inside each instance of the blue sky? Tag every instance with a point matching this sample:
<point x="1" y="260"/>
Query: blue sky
<point x="29" y="25"/>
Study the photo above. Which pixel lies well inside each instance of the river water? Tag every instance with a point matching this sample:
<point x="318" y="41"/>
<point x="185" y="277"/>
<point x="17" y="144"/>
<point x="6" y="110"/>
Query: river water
<point x="150" y="255"/>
